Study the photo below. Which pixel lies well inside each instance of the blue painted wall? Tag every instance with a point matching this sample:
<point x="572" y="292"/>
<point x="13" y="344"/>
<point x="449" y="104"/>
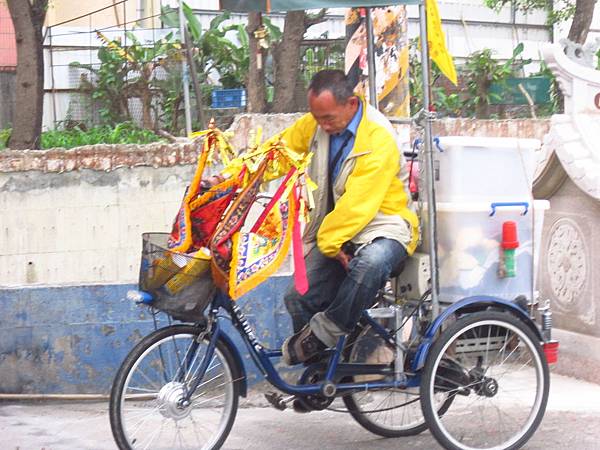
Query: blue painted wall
<point x="72" y="339"/>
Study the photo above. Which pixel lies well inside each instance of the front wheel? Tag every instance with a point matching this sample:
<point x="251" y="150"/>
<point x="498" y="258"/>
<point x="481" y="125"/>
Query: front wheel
<point x="146" y="408"/>
<point x="492" y="364"/>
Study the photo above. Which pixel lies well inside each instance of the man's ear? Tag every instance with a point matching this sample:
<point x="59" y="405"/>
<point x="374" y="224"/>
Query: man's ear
<point x="354" y="100"/>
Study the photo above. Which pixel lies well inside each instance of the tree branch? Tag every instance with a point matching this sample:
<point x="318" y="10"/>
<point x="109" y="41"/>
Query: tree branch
<point x="314" y="19"/>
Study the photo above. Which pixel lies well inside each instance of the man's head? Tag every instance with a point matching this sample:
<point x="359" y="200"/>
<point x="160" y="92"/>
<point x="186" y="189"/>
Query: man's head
<point x="331" y="100"/>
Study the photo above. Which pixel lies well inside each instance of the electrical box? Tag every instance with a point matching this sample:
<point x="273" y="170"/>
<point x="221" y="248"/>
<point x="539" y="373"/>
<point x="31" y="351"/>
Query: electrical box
<point x="415" y="279"/>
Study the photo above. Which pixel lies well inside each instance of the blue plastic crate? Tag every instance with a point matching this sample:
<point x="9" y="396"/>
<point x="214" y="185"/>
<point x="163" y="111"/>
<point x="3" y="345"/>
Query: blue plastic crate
<point x="229" y="98"/>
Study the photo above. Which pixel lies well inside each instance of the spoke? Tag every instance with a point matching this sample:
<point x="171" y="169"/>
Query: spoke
<point x="180" y="434"/>
<point x="204" y="383"/>
<point x="507" y="357"/>
<point x="198" y="439"/>
<point x="192" y="374"/>
<point x="151" y="391"/>
<point x="209" y="367"/>
<point x="139" y="423"/>
<point x="153" y="435"/>
<point x="487" y="345"/>
<point x="150" y="382"/>
<point x="207" y="400"/>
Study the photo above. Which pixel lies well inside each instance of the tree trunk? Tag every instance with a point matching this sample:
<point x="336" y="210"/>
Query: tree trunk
<point x="28" y="19"/>
<point x="584" y="11"/>
<point x="286" y="56"/>
<point x="257" y="102"/>
<point x="195" y="83"/>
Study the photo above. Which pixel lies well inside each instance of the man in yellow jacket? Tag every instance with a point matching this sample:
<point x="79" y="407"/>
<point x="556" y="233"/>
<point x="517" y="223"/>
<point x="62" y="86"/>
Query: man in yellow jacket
<point x="362" y="227"/>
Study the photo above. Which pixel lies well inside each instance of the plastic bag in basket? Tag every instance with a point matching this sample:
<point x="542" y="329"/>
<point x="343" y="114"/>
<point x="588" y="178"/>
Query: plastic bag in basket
<point x="180" y="283"/>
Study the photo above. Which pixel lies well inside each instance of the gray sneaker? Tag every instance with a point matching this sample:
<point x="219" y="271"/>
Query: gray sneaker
<point x="301" y="346"/>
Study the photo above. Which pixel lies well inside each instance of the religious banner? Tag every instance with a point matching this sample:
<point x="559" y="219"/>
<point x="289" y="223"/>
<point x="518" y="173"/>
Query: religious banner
<point x="390" y="30"/>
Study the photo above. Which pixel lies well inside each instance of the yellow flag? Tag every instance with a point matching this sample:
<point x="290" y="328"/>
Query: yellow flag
<point x="437" y="42"/>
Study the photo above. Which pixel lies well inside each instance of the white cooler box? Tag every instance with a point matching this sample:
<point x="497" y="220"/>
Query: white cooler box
<point x="480" y="168"/>
<point x="469" y="248"/>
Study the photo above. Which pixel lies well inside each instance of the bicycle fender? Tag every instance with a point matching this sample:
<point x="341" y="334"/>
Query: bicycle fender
<point x="478" y="302"/>
<point x="241" y="370"/>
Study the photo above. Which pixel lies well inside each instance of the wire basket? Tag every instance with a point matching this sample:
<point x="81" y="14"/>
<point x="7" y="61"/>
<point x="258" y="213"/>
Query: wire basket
<point x="181" y="283"/>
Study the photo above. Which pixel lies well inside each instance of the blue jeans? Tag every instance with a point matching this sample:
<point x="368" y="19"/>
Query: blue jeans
<point x="342" y="295"/>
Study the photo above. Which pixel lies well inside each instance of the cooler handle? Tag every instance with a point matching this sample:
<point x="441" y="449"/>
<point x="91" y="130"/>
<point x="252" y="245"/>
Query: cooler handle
<point x="503" y="204"/>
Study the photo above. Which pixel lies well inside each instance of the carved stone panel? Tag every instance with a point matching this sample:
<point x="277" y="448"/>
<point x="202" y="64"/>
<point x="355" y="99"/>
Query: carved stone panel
<point x="569" y="266"/>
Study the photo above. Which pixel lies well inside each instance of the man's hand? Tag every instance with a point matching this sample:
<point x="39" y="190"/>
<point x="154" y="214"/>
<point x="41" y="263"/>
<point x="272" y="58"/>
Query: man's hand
<point x="209" y="182"/>
<point x="344" y="259"/>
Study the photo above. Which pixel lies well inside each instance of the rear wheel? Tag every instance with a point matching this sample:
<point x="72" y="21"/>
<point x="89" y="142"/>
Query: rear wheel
<point x="146" y="408"/>
<point x="386" y="412"/>
<point x="492" y="364"/>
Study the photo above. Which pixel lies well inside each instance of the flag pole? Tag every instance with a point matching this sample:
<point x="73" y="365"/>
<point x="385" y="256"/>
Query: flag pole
<point x="185" y="74"/>
<point x="428" y="156"/>
<point x="371" y="60"/>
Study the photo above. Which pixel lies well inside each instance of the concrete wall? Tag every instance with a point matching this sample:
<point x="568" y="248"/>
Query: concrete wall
<point x="70" y="225"/>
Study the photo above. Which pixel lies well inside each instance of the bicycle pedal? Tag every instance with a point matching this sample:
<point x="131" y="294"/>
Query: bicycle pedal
<point x="301" y="407"/>
<point x="276" y="400"/>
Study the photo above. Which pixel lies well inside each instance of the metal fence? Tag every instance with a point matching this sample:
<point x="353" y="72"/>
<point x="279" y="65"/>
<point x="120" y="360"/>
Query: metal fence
<point x="72" y="54"/>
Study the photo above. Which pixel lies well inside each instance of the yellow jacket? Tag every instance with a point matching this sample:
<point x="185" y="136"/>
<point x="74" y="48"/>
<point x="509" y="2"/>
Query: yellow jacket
<point x="370" y="193"/>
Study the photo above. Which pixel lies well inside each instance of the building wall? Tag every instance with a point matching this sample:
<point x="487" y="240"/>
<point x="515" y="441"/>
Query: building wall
<point x="108" y="12"/>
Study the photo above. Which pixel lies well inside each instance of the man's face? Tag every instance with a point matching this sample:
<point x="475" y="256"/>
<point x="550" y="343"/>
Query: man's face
<point x="332" y="116"/>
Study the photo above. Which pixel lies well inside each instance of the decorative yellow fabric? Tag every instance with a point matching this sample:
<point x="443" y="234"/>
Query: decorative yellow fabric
<point x="438" y="51"/>
<point x="194" y="266"/>
<point x="257" y="255"/>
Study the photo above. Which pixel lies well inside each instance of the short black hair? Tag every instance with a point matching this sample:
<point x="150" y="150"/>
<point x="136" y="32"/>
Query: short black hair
<point x="334" y="81"/>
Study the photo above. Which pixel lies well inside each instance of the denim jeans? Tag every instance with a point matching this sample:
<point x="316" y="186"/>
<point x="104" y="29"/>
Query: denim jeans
<point x="339" y="294"/>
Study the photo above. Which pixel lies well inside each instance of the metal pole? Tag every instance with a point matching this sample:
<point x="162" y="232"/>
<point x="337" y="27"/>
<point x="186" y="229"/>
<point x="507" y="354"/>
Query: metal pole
<point x="51" y="54"/>
<point x="428" y="148"/>
<point x="185" y="75"/>
<point x="371" y="60"/>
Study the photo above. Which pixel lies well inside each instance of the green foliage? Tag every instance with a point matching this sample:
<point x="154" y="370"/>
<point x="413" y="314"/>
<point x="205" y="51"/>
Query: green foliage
<point x="108" y="85"/>
<point x="481" y="70"/>
<point x="557" y="12"/>
<point x="213" y="48"/>
<point x="445" y="104"/>
<point x="123" y="133"/>
<point x="554" y="105"/>
<point x="4" y="137"/>
<point x="78" y="135"/>
<point x="128" y="73"/>
<point x="473" y="97"/>
<point x="319" y="57"/>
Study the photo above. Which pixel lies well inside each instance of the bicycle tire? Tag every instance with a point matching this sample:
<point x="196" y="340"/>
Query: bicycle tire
<point x="144" y="410"/>
<point x="374" y="410"/>
<point x="492" y="363"/>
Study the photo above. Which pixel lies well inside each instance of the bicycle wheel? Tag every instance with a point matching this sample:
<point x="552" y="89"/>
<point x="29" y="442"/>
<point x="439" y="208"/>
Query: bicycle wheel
<point x="144" y="402"/>
<point x="492" y="364"/>
<point x="387" y="412"/>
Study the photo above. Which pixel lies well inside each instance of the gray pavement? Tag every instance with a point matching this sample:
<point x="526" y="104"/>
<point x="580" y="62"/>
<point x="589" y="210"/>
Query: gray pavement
<point x="572" y="421"/>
